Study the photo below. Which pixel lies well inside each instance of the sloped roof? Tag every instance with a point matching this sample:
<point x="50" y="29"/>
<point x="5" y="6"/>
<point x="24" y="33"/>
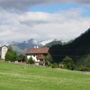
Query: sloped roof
<point x="36" y="50"/>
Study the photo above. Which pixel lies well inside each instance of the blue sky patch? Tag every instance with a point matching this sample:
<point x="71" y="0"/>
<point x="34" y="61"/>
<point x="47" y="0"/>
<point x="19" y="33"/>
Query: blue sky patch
<point x="54" y="8"/>
<point x="60" y="7"/>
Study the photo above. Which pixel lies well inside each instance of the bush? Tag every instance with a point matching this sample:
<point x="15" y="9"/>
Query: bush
<point x="21" y="57"/>
<point x="69" y="66"/>
<point x="83" y="68"/>
<point x="11" y="55"/>
<point x="68" y="63"/>
<point x="48" y="60"/>
<point x="61" y="65"/>
<point x="54" y="65"/>
<point x="30" y="61"/>
<point x="84" y="61"/>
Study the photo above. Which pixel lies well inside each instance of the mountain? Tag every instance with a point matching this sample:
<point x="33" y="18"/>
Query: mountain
<point x="20" y="46"/>
<point x="54" y="42"/>
<point x="78" y="50"/>
<point x="46" y="42"/>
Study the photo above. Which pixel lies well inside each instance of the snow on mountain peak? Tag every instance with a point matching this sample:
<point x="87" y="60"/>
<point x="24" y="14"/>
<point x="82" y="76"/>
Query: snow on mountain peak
<point x="45" y="42"/>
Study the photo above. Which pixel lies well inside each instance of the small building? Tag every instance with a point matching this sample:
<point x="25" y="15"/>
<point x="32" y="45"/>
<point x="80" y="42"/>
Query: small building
<point x="37" y="54"/>
<point x="3" y="51"/>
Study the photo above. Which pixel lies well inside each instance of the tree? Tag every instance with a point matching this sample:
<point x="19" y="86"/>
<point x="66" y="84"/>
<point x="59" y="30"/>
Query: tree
<point x="10" y="55"/>
<point x="48" y="59"/>
<point x="68" y="63"/>
<point x="30" y="61"/>
<point x="21" y="58"/>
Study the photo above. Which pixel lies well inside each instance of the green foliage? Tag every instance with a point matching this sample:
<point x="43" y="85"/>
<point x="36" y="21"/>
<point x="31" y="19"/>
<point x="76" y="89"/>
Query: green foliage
<point x="83" y="68"/>
<point x="54" y="65"/>
<point x="61" y="65"/>
<point x="30" y="61"/>
<point x="66" y="43"/>
<point x="21" y="57"/>
<point x="55" y="42"/>
<point x="68" y="63"/>
<point x="10" y="55"/>
<point x="85" y="61"/>
<point x="48" y="59"/>
<point x="78" y="49"/>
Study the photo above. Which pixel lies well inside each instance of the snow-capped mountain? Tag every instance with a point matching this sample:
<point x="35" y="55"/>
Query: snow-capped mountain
<point x="46" y="42"/>
<point x="32" y="43"/>
<point x="20" y="46"/>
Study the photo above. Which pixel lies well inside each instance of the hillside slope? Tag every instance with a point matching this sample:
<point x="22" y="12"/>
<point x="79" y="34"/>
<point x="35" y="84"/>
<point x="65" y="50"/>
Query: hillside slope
<point x="77" y="49"/>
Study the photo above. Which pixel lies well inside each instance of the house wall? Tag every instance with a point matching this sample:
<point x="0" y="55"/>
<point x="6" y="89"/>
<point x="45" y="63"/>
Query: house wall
<point x="41" y="56"/>
<point x="3" y="52"/>
<point x="38" y="58"/>
<point x="33" y="57"/>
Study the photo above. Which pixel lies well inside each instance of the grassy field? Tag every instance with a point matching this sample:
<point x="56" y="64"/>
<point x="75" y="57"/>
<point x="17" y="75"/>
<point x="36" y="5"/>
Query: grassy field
<point x="24" y="77"/>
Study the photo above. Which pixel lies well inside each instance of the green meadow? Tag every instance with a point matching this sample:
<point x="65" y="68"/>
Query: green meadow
<point x="26" y="77"/>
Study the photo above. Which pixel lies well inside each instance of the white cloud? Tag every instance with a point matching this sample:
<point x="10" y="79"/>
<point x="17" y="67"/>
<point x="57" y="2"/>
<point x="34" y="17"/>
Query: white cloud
<point x="64" y="25"/>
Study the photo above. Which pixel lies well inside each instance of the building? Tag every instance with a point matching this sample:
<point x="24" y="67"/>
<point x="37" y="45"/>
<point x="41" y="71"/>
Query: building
<point x="3" y="51"/>
<point x="37" y="54"/>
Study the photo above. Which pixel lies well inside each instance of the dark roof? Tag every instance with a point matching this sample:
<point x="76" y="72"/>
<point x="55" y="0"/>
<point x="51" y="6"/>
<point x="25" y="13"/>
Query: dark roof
<point x="36" y="50"/>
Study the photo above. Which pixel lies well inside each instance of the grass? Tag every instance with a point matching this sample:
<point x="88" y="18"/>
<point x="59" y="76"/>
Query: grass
<point x="25" y="77"/>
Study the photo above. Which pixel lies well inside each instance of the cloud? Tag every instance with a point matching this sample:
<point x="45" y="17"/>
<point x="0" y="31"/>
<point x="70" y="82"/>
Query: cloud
<point x="82" y="1"/>
<point x="22" y="5"/>
<point x="65" y="25"/>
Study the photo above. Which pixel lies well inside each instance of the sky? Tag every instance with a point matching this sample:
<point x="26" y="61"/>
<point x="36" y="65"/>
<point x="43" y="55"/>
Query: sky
<point x="43" y="19"/>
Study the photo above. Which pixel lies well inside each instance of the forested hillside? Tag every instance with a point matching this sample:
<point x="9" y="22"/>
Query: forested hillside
<point x="78" y="50"/>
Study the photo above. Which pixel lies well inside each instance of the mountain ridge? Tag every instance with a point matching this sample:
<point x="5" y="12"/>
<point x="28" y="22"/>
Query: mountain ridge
<point x="78" y="50"/>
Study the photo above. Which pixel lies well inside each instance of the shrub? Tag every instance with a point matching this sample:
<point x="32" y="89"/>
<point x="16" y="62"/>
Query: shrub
<point x="30" y="61"/>
<point x="21" y="57"/>
<point x="54" y="65"/>
<point x="84" y="61"/>
<point x="83" y="68"/>
<point x="68" y="63"/>
<point x="69" y="66"/>
<point x="61" y="65"/>
<point x="11" y="55"/>
<point x="48" y="60"/>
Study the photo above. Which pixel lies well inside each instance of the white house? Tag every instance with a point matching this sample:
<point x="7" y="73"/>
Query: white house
<point x="3" y="51"/>
<point x="37" y="54"/>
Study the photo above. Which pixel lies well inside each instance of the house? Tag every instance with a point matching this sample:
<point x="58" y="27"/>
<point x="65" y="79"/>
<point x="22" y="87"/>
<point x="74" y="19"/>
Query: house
<point x="3" y="51"/>
<point x="37" y="54"/>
